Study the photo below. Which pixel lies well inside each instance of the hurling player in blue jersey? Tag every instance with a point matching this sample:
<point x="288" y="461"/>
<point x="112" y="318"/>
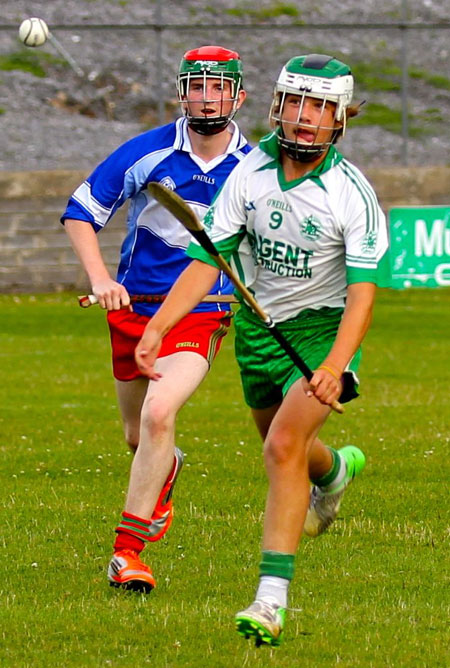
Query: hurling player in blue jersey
<point x="192" y="156"/>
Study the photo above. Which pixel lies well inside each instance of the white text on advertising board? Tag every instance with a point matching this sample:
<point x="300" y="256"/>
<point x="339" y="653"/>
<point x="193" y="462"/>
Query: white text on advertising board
<point x="435" y="242"/>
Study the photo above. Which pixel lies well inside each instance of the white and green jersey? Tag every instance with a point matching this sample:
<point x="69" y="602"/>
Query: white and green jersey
<point x="297" y="244"/>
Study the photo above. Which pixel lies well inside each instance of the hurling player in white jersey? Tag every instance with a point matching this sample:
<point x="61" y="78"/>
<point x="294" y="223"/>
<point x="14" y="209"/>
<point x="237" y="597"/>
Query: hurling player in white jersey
<point x="193" y="156"/>
<point x="307" y="235"/>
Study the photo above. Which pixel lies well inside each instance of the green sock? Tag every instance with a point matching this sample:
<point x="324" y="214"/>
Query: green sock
<point x="277" y="564"/>
<point x="332" y="474"/>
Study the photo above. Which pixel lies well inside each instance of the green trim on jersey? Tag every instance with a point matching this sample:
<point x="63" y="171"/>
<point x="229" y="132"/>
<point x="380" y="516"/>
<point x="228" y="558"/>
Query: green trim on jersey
<point x="384" y="275"/>
<point x="360" y="275"/>
<point x="367" y="194"/>
<point x="226" y="248"/>
<point x="269" y="145"/>
<point x="380" y="274"/>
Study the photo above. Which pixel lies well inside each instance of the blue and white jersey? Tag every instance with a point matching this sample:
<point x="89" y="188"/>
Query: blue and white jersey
<point x="153" y="252"/>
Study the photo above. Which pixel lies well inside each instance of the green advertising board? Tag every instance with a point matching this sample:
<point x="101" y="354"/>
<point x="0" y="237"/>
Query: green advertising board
<point x="420" y="246"/>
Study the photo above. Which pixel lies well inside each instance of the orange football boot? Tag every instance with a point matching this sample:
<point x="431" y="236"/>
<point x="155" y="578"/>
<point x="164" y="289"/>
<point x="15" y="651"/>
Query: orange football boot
<point x="126" y="570"/>
<point x="163" y="514"/>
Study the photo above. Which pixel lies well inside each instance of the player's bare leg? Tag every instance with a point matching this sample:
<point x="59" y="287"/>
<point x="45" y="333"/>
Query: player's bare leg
<point x="291" y="435"/>
<point x="335" y="469"/>
<point x="320" y="459"/>
<point x="319" y="456"/>
<point x="131" y="395"/>
<point x="181" y="373"/>
<point x="148" y="509"/>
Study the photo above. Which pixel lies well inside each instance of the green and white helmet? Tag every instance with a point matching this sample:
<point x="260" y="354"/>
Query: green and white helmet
<point x="318" y="76"/>
<point x="210" y="62"/>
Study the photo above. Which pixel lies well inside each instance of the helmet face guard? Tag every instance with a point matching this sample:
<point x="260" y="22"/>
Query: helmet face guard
<point x="203" y="64"/>
<point x="313" y="76"/>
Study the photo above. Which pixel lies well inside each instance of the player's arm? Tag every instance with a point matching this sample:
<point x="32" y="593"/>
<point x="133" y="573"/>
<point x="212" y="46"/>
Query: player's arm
<point x="110" y="294"/>
<point x="353" y="327"/>
<point x="192" y="285"/>
<point x="89" y="210"/>
<point x="365" y="253"/>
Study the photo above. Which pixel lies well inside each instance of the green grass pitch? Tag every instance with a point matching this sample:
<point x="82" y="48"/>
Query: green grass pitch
<point x="373" y="592"/>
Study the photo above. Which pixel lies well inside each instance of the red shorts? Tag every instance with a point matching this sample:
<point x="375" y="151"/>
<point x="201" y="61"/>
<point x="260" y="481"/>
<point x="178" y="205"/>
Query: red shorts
<point x="200" y="333"/>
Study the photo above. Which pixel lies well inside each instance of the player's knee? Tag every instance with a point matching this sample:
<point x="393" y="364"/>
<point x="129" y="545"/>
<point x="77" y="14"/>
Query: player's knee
<point x="282" y="448"/>
<point x="157" y="416"/>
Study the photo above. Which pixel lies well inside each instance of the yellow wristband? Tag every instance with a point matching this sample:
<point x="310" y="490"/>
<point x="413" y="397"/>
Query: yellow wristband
<point x="333" y="373"/>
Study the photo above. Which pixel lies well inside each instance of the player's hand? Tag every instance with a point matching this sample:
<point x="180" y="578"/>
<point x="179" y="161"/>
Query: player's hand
<point x="111" y="295"/>
<point x="325" y="385"/>
<point x="146" y="353"/>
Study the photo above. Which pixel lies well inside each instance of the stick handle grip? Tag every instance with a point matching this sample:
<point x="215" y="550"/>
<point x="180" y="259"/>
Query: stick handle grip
<point x="87" y="300"/>
<point x="337" y="407"/>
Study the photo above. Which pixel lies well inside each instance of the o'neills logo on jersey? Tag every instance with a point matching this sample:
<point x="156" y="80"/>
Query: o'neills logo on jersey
<point x="210" y="180"/>
<point x="187" y="344"/>
<point x="281" y="206"/>
<point x="168" y="182"/>
<point x="310" y="228"/>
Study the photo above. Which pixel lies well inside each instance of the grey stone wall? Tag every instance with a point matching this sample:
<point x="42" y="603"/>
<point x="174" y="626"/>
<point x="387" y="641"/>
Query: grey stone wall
<point x="35" y="253"/>
<point x="36" y="256"/>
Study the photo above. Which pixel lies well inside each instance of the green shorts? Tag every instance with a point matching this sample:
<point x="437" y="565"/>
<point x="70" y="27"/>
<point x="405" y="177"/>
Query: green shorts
<point x="267" y="372"/>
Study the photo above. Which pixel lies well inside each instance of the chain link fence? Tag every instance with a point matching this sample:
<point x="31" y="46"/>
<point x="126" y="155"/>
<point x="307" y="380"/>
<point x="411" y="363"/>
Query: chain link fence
<point x="399" y="55"/>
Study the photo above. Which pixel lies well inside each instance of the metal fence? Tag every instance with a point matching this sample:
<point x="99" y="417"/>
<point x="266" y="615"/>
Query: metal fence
<point x="419" y="88"/>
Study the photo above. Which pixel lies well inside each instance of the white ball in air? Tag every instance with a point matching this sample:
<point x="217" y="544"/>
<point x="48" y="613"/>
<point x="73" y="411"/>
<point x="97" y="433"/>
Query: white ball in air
<point x="33" y="32"/>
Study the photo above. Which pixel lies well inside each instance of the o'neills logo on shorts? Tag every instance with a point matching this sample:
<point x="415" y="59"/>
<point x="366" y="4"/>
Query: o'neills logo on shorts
<point x="187" y="344"/>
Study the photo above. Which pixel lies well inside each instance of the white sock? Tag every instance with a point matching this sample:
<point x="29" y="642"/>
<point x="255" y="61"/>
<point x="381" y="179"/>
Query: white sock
<point x="337" y="483"/>
<point x="273" y="590"/>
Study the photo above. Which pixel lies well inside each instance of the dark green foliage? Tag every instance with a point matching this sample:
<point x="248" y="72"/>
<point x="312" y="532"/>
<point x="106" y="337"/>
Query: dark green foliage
<point x="28" y="60"/>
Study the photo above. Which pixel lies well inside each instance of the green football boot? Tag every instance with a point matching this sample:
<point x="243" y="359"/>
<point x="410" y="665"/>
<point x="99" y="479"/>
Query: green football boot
<point x="323" y="507"/>
<point x="262" y="621"/>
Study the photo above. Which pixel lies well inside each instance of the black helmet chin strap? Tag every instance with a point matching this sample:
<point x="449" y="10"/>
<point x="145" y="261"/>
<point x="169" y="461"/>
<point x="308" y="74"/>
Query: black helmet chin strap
<point x="303" y="152"/>
<point x="296" y="151"/>
<point x="208" y="126"/>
